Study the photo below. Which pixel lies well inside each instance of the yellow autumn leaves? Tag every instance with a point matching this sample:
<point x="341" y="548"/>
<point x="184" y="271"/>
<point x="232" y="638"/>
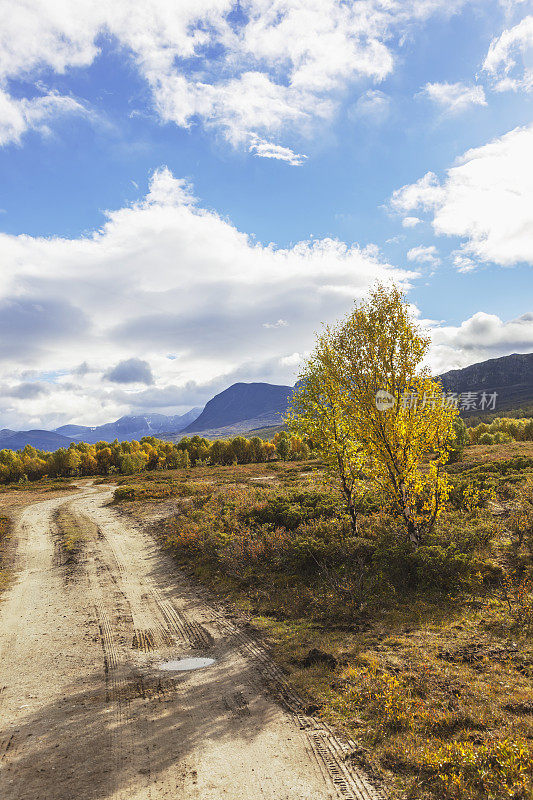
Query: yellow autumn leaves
<point x="400" y="450"/>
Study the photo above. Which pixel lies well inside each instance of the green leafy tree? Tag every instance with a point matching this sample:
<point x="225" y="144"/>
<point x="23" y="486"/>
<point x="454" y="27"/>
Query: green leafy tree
<point x="459" y="439"/>
<point x="283" y="447"/>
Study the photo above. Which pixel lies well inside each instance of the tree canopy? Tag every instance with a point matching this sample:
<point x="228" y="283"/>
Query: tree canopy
<point x="375" y="414"/>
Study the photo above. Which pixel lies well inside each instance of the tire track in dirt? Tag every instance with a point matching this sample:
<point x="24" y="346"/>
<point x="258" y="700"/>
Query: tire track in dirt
<point x="156" y="621"/>
<point x="43" y="644"/>
<point x="119" y="727"/>
<point x="115" y="683"/>
<point x="331" y="751"/>
<point x="329" y="748"/>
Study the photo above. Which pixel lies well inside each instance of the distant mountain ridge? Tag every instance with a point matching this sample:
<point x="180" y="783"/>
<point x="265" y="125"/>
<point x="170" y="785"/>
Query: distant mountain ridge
<point x="126" y="428"/>
<point x="243" y="401"/>
<point x="511" y="377"/>
<point x="244" y="407"/>
<point x="130" y="427"/>
<point x="41" y="440"/>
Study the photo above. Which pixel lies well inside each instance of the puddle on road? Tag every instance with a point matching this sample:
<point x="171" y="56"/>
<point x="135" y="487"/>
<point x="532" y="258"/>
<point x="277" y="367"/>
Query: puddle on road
<point x="183" y="664"/>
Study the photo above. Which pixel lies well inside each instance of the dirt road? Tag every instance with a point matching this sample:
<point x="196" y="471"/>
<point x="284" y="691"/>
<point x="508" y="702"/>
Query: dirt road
<point x="86" y="712"/>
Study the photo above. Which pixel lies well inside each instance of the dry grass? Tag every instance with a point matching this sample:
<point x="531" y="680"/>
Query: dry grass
<point x="406" y="688"/>
<point x="438" y="690"/>
<point x="74" y="531"/>
<point x="496" y="452"/>
<point x="15" y="496"/>
<point x="5" y="530"/>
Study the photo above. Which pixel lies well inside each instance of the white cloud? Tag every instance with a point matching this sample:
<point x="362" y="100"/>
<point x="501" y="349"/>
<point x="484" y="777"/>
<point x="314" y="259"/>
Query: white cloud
<point x="509" y="60"/>
<point x="478" y="338"/>
<point x="455" y="97"/>
<point x="282" y="68"/>
<point x="19" y="116"/>
<point x="424" y="255"/>
<point x="486" y="200"/>
<point x="281" y="323"/>
<point x="265" y="149"/>
<point x="425" y="194"/>
<point x="161" y="276"/>
<point x="411" y="222"/>
<point x="462" y="262"/>
<point x="373" y="105"/>
<point x="294" y="360"/>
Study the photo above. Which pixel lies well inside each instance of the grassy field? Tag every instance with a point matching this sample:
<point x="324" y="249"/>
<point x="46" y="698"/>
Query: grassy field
<point x="434" y="681"/>
<point x="15" y="497"/>
<point x="5" y="527"/>
<point x="427" y="658"/>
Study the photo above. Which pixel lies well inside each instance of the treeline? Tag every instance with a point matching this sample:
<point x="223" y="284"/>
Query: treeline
<point x="473" y="420"/>
<point x="127" y="458"/>
<point x="501" y="430"/>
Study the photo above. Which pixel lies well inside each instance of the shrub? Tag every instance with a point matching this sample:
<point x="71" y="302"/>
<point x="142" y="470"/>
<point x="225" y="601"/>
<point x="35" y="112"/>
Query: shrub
<point x="493" y="770"/>
<point x="154" y="490"/>
<point x="460" y="440"/>
<point x="124" y="493"/>
<point x="442" y="563"/>
<point x="472" y="494"/>
<point x="380" y="697"/>
<point x="291" y="511"/>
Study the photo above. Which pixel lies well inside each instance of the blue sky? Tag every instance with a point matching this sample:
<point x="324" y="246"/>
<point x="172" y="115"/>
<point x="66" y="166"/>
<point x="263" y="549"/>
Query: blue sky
<point x="195" y="189"/>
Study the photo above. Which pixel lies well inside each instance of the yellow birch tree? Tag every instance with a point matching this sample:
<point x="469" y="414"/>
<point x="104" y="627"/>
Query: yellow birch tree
<point x="373" y="411"/>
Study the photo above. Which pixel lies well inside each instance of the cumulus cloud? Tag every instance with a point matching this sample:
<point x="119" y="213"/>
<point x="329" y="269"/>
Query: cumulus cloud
<point x="164" y="275"/>
<point x="425" y="194"/>
<point x="454" y="98"/>
<point x="486" y="200"/>
<point x="131" y="370"/>
<point x="279" y="65"/>
<point x="509" y="61"/>
<point x="478" y="338"/>
<point x="424" y="255"/>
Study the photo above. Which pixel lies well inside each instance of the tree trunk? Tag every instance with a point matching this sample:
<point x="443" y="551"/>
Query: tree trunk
<point x="353" y="518"/>
<point x="413" y="533"/>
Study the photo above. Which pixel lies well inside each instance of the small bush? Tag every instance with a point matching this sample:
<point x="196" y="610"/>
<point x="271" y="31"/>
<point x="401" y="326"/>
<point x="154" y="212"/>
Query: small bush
<point x="156" y="490"/>
<point x="493" y="771"/>
<point x="471" y="494"/>
<point x="444" y="562"/>
<point x="291" y="511"/>
<point x="124" y="493"/>
<point x="379" y="697"/>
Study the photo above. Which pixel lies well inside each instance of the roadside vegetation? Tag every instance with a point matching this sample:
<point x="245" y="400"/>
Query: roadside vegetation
<point x="383" y="548"/>
<point x="426" y="653"/>
<point x="392" y="572"/>
<point x="5" y="525"/>
<point x="501" y="430"/>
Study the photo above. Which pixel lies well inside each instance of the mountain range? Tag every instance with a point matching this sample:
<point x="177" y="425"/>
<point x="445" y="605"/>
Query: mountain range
<point x="244" y="407"/>
<point x="126" y="428"/>
<point x="511" y="377"/>
<point x="251" y="404"/>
